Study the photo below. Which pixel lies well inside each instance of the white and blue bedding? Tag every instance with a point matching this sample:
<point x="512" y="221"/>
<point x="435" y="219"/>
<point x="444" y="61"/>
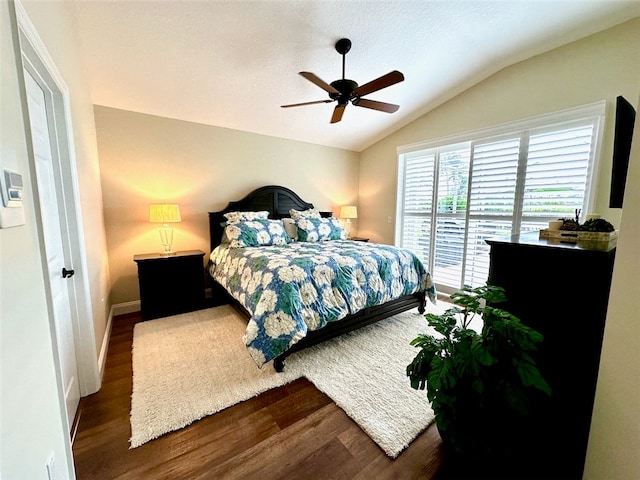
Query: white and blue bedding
<point x="292" y="288"/>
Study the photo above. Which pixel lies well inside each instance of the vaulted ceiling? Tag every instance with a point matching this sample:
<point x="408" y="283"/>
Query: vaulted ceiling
<point x="234" y="63"/>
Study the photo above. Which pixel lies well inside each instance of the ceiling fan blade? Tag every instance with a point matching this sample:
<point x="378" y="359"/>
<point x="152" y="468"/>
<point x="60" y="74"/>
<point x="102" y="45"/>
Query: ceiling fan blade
<point x="337" y="113"/>
<point x="374" y="105"/>
<point x="319" y="82"/>
<point x="306" y="103"/>
<point x="384" y="81"/>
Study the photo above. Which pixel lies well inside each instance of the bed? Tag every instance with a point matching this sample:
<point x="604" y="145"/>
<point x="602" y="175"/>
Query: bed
<point x="246" y="275"/>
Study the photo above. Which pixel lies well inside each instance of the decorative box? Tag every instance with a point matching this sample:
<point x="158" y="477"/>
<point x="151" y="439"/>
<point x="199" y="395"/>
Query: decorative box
<point x="591" y="240"/>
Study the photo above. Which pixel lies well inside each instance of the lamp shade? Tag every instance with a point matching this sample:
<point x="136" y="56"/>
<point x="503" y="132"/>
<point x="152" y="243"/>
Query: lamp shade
<point x="349" y="211"/>
<point x="164" y="213"/>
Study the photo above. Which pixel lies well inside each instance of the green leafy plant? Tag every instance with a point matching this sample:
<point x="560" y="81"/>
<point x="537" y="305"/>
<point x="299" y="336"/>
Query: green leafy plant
<point x="481" y="383"/>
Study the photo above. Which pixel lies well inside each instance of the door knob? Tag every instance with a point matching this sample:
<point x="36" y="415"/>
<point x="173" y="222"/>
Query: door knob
<point x="67" y="273"/>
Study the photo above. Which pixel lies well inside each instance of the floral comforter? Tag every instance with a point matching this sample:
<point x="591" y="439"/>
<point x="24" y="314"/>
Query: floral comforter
<point x="300" y="286"/>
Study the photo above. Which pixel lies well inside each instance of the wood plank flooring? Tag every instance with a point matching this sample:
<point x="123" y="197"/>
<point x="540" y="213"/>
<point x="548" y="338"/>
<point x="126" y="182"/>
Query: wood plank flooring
<point x="290" y="432"/>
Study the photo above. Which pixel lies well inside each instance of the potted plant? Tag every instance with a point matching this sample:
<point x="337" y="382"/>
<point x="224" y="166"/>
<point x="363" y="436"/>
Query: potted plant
<point x="482" y="382"/>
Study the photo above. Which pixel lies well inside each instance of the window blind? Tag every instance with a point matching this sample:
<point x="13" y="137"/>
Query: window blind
<point x="457" y="195"/>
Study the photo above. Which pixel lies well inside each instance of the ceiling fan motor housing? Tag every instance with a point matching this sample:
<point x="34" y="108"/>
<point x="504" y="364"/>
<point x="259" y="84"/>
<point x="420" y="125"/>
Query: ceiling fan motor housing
<point x="346" y="88"/>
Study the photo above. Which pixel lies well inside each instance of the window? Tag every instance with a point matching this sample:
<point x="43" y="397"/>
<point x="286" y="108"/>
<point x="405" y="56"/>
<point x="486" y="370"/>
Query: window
<point x="455" y="193"/>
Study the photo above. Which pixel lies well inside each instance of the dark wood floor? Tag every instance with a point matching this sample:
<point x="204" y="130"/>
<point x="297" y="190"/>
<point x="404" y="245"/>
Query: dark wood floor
<point x="290" y="432"/>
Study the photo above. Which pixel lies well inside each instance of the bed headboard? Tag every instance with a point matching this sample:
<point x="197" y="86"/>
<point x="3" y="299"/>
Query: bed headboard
<point x="275" y="199"/>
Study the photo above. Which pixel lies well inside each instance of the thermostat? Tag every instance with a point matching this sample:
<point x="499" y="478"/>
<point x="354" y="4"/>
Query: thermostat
<point x="12" y="191"/>
<point x="11" y="210"/>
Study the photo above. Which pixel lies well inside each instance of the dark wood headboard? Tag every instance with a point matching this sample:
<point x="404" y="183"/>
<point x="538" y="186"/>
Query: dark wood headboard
<point x="274" y="199"/>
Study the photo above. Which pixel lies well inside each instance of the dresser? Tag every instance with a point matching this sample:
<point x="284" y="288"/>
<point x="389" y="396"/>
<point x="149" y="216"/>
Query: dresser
<point x="562" y="291"/>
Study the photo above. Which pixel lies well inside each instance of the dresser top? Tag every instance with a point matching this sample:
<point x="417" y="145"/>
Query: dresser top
<point x="531" y="239"/>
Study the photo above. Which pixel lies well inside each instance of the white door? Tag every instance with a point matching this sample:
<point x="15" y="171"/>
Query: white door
<point x="48" y="196"/>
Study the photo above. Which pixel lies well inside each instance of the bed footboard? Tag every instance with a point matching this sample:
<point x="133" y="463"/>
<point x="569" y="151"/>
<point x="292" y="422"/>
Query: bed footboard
<point x="353" y="322"/>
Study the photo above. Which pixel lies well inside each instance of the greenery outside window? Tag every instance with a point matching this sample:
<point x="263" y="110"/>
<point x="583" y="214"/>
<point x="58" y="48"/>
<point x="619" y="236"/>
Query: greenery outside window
<point x="455" y="192"/>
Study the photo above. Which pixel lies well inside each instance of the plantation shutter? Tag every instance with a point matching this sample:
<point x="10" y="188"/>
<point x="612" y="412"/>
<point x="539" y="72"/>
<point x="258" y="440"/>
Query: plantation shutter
<point x="557" y="172"/>
<point x="491" y="201"/>
<point x="453" y="174"/>
<point x="501" y="181"/>
<point x="417" y="208"/>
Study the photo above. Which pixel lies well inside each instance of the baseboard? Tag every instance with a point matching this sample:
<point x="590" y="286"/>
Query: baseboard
<point x="102" y="358"/>
<point x="445" y="297"/>
<point x="117" y="309"/>
<point x="126" y="307"/>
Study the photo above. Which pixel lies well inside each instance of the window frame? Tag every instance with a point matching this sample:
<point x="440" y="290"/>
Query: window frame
<point x="594" y="112"/>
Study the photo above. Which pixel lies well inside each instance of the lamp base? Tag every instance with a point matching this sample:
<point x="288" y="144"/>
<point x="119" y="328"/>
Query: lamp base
<point x="166" y="236"/>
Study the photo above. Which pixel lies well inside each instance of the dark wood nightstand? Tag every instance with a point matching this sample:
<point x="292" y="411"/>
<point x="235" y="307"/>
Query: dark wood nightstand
<point x="358" y="239"/>
<point x="170" y="284"/>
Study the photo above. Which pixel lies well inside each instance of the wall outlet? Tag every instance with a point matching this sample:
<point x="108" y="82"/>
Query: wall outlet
<point x="389" y="220"/>
<point x="51" y="466"/>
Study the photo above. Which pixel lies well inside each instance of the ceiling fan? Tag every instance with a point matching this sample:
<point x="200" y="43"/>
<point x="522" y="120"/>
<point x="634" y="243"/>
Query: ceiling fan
<point x="344" y="91"/>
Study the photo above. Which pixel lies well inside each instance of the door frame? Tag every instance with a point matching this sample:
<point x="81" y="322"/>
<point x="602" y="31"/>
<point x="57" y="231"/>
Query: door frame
<point x="39" y="63"/>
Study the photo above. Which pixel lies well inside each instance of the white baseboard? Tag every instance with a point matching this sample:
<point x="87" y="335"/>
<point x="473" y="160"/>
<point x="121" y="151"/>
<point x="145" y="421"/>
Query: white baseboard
<point x="126" y="307"/>
<point x="117" y="309"/>
<point x="102" y="358"/>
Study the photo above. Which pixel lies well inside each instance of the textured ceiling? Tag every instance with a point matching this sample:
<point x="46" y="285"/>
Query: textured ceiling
<point x="233" y="63"/>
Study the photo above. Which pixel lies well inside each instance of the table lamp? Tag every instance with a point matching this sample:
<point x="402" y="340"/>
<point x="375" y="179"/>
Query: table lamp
<point x="165" y="213"/>
<point x="348" y="212"/>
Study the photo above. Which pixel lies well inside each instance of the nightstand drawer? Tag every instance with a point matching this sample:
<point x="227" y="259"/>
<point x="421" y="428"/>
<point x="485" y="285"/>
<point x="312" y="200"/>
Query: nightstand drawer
<point x="170" y="284"/>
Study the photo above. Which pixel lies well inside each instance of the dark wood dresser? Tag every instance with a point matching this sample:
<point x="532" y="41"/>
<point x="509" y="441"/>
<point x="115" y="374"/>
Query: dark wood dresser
<point x="170" y="284"/>
<point x="562" y="291"/>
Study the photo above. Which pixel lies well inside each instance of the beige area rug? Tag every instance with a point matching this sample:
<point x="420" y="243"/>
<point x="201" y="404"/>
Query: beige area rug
<point x="192" y="365"/>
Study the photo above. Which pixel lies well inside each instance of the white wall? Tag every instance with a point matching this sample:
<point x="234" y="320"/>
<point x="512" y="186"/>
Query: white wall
<point x="32" y="418"/>
<point x="614" y="440"/>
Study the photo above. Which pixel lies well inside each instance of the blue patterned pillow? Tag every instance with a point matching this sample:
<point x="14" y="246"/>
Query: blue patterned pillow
<point x="254" y="233"/>
<point x="320" y="229"/>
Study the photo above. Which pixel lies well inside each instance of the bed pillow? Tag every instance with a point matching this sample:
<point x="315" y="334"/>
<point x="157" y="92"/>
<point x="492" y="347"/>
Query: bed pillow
<point x="255" y="233"/>
<point x="309" y="213"/>
<point x="320" y="229"/>
<point x="233" y="217"/>
<point x="290" y="228"/>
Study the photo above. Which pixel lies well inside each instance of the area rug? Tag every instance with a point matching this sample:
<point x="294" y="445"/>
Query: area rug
<point x="192" y="365"/>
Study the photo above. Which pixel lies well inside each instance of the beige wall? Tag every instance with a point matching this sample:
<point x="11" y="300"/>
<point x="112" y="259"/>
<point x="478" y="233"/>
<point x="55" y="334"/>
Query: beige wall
<point x="32" y="408"/>
<point x="147" y="159"/>
<point x="598" y="67"/>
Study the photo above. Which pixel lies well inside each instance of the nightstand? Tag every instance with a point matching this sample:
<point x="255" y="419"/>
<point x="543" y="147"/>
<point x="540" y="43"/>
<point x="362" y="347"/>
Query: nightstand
<point x="358" y="239"/>
<point x="170" y="284"/>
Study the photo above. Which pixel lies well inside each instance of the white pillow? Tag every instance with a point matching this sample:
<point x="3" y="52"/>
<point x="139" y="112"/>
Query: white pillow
<point x="290" y="228"/>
